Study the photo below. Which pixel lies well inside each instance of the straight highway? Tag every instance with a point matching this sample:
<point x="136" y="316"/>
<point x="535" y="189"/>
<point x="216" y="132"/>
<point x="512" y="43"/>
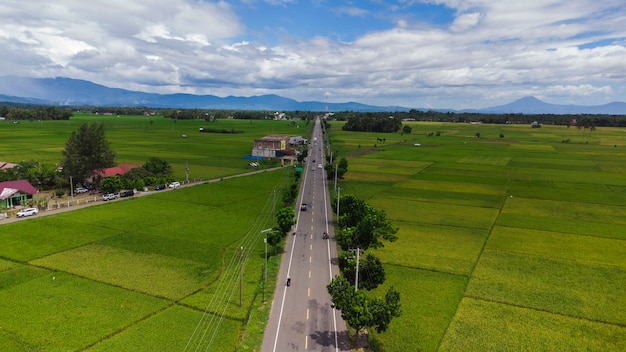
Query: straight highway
<point x="302" y="317"/>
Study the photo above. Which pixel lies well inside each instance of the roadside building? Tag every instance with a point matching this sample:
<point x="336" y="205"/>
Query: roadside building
<point x="275" y="147"/>
<point x="116" y="171"/>
<point x="13" y="193"/>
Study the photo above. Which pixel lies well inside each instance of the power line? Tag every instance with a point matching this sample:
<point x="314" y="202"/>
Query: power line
<point x="209" y="325"/>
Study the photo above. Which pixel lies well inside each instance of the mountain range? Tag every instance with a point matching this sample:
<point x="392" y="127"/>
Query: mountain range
<point x="75" y="92"/>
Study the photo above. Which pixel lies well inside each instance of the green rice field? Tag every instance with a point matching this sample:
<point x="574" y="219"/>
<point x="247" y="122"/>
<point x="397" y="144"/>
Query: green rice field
<point x="505" y="244"/>
<point x="150" y="273"/>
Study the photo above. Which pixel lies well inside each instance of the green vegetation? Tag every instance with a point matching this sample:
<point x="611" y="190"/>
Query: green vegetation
<point x="145" y="273"/>
<point x="504" y="243"/>
<point x="87" y="150"/>
<point x="510" y="241"/>
<point x="108" y="275"/>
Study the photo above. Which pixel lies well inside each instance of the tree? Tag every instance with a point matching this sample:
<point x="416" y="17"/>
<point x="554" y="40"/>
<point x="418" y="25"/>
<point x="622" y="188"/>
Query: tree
<point x="360" y="311"/>
<point x="371" y="271"/>
<point x="406" y="129"/>
<point x="111" y="184"/>
<point x="87" y="150"/>
<point x="351" y="210"/>
<point x="158" y="167"/>
<point x="274" y="238"/>
<point x="330" y="171"/>
<point x="45" y="176"/>
<point x="285" y="218"/>
<point x="342" y="167"/>
<point x="385" y="310"/>
<point x="362" y="226"/>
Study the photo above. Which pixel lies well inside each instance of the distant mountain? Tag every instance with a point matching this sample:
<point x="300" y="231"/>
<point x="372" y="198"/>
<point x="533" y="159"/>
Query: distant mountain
<point x="532" y="105"/>
<point x="67" y="91"/>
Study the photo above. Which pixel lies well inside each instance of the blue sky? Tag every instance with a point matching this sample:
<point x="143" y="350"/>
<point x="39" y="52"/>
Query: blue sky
<point x="410" y="53"/>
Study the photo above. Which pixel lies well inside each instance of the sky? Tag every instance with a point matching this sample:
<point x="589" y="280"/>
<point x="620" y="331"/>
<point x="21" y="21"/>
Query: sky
<point x="448" y="54"/>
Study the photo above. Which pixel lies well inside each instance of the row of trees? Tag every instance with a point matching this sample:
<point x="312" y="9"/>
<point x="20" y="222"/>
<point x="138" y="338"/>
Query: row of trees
<point x="362" y="227"/>
<point x="418" y="115"/>
<point x="38" y="113"/>
<point x="370" y="122"/>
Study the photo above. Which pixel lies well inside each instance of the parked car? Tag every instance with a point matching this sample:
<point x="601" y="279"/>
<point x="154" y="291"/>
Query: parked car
<point x="174" y="185"/>
<point x="27" y="212"/>
<point x="160" y="187"/>
<point x="109" y="196"/>
<point x="129" y="193"/>
<point x="81" y="190"/>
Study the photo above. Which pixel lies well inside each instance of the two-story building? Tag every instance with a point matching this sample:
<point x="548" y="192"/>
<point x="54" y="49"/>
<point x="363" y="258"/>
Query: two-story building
<point x="275" y="147"/>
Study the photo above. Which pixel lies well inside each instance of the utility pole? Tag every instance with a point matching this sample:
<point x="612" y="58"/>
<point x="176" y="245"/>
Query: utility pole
<point x="241" y="278"/>
<point x="356" y="279"/>
<point x="336" y="167"/>
<point x="186" y="171"/>
<point x="265" y="268"/>
<point x="338" y="196"/>
<point x="71" y="187"/>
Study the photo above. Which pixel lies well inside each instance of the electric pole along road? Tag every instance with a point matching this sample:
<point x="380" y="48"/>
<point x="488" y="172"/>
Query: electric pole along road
<point x="302" y="317"/>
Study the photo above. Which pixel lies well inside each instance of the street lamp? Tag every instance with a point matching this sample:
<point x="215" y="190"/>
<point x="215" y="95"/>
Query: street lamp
<point x="265" y="276"/>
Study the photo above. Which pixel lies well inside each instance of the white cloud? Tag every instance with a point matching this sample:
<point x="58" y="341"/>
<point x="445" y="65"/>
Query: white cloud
<point x="492" y="50"/>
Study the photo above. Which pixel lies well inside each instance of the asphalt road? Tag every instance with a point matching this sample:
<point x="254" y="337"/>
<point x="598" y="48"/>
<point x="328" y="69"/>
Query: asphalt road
<point x="302" y="318"/>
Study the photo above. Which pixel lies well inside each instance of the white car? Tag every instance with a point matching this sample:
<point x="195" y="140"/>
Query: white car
<point x="27" y="212"/>
<point x="80" y="190"/>
<point x="174" y="185"/>
<point x="319" y="166"/>
<point x="109" y="196"/>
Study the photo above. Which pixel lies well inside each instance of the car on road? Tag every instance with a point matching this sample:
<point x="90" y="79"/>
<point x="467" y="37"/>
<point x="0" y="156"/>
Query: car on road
<point x="174" y="185"/>
<point x="81" y="190"/>
<point x="319" y="166"/>
<point x="109" y="196"/>
<point x="27" y="212"/>
<point x="160" y="187"/>
<point x="129" y="193"/>
<point x="303" y="207"/>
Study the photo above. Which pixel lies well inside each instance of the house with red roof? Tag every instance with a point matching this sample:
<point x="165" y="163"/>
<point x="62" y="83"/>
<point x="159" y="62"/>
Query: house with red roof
<point x="119" y="170"/>
<point x="14" y="193"/>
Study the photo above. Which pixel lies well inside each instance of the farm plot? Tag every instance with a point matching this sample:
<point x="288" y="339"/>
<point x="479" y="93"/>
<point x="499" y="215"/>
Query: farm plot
<point x="573" y="288"/>
<point x="534" y="225"/>
<point x="102" y="277"/>
<point x="447" y="249"/>
<point x="436" y="213"/>
<point x="429" y="301"/>
<point x="170" y="328"/>
<point x="570" y="217"/>
<point x="490" y="326"/>
<point x="58" y="311"/>
<point x="153" y="274"/>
